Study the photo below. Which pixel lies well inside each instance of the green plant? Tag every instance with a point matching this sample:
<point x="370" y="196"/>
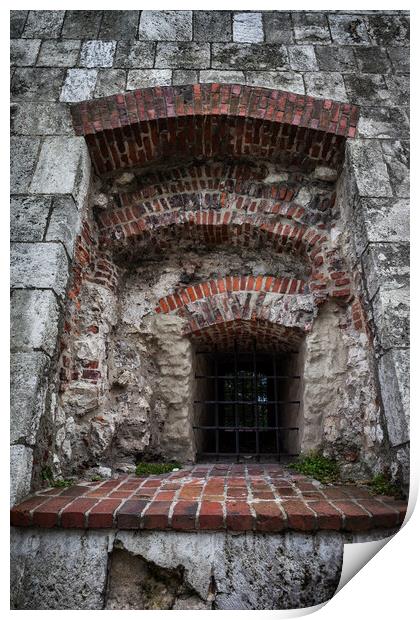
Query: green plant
<point x="381" y="485"/>
<point x="317" y="466"/>
<point x="96" y="478"/>
<point x="145" y="469"/>
<point x="46" y="474"/>
<point x="61" y="483"/>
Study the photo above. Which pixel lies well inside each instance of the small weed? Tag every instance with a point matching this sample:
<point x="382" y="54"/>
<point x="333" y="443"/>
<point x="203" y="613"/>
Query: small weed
<point x="47" y="476"/>
<point x="61" y="483"/>
<point x="381" y="485"/>
<point x="96" y="478"/>
<point x="145" y="469"/>
<point x="316" y="466"/>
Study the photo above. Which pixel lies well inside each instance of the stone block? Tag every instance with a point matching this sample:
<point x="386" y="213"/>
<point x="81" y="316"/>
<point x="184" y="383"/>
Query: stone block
<point x="184" y="76"/>
<point x="43" y="25"/>
<point x="165" y="26"/>
<point x="224" y="77"/>
<point x="59" y="53"/>
<point x="21" y="463"/>
<point x="23" y="157"/>
<point x="23" y="52"/>
<point x="277" y="27"/>
<point x="81" y="24"/>
<point x="31" y="118"/>
<point x="39" y="265"/>
<point x="79" y="85"/>
<point x="119" y="25"/>
<point x="28" y="384"/>
<point x="335" y="58"/>
<point x="135" y="55"/>
<point x="391" y="314"/>
<point x="397" y="158"/>
<point x="183" y="55"/>
<point x="389" y="30"/>
<point x="372" y="60"/>
<point x="381" y="220"/>
<point x="213" y="26"/>
<point x="248" y="28"/>
<point x="311" y="27"/>
<point x="36" y="84"/>
<point x="144" y="78"/>
<point x="400" y="58"/>
<point x="399" y="89"/>
<point x="369" y="168"/>
<point x="386" y="266"/>
<point x="394" y="376"/>
<point x="28" y="217"/>
<point x="17" y="23"/>
<point x="383" y="123"/>
<point x="34" y="321"/>
<point x="249" y="56"/>
<point x="283" y="80"/>
<point x="64" y="223"/>
<point x="97" y="54"/>
<point x="326" y="85"/>
<point x="348" y="29"/>
<point x="110" y="82"/>
<point x="58" y="165"/>
<point x="302" y="58"/>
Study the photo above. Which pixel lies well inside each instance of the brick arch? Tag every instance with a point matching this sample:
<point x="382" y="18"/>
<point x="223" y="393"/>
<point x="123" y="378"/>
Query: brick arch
<point x="203" y="121"/>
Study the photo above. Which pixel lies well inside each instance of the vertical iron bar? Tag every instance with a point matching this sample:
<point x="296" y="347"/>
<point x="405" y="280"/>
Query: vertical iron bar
<point x="236" y="402"/>
<point x="255" y="399"/>
<point x="276" y="406"/>
<point x="216" y="374"/>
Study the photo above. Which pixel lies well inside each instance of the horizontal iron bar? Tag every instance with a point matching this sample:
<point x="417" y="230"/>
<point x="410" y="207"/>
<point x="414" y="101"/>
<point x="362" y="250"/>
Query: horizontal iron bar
<point x="246" y="402"/>
<point x="248" y="428"/>
<point x="239" y="353"/>
<point x="264" y="454"/>
<point x="250" y="377"/>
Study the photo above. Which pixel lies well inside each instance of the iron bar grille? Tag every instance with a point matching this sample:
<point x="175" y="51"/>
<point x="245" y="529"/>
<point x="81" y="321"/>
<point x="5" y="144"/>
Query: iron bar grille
<point x="246" y="407"/>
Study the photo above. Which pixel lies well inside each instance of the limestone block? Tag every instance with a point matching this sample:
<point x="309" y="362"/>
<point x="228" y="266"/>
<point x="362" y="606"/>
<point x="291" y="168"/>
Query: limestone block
<point x="311" y="27"/>
<point x="223" y="77"/>
<point x="79" y="85"/>
<point x="23" y="156"/>
<point x="144" y="78"/>
<point x="302" y="58"/>
<point x="381" y="220"/>
<point x="369" y="168"/>
<point x="135" y="55"/>
<point x="394" y="369"/>
<point x="43" y="25"/>
<point x="391" y="312"/>
<point x="400" y="58"/>
<point x="249" y="56"/>
<point x="372" y="60"/>
<point x="397" y="158"/>
<point x="17" y="22"/>
<point x="386" y="265"/>
<point x="119" y="25"/>
<point x="326" y="85"/>
<point x="283" y="80"/>
<point x="335" y="58"/>
<point x="383" y="123"/>
<point x="212" y="26"/>
<point x="32" y="118"/>
<point x="59" y="53"/>
<point x="399" y="89"/>
<point x="34" y="320"/>
<point x="28" y="382"/>
<point x="39" y="265"/>
<point x="110" y="82"/>
<point x="186" y="55"/>
<point x="277" y="27"/>
<point x="37" y="84"/>
<point x="389" y="29"/>
<point x="64" y="223"/>
<point x="165" y="26"/>
<point x="21" y="461"/>
<point x="81" y="24"/>
<point x="248" y="28"/>
<point x="23" y="52"/>
<point x="28" y="217"/>
<point x="348" y="30"/>
<point x="185" y="76"/>
<point x="97" y="54"/>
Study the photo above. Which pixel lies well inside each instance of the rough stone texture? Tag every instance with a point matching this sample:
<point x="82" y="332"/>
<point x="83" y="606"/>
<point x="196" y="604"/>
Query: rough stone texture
<point x="185" y="76"/>
<point x="369" y="168"/>
<point x="183" y="55"/>
<point x="394" y="372"/>
<point x="23" y="157"/>
<point x="386" y="265"/>
<point x="134" y="54"/>
<point x="248" y="28"/>
<point x="79" y="85"/>
<point x="37" y="84"/>
<point x="32" y="119"/>
<point x="212" y="26"/>
<point x="119" y="25"/>
<point x="311" y="28"/>
<point x="64" y="223"/>
<point x="144" y="78"/>
<point x="277" y="27"/>
<point x="21" y="463"/>
<point x="249" y="56"/>
<point x="43" y="24"/>
<point x="166" y="26"/>
<point x="302" y="58"/>
<point x="110" y="82"/>
<point x="81" y="24"/>
<point x="59" y="54"/>
<point x="28" y="217"/>
<point x="33" y="320"/>
<point x="329" y="85"/>
<point x="97" y="54"/>
<point x="17" y="23"/>
<point x="39" y="265"/>
<point x="24" y="53"/>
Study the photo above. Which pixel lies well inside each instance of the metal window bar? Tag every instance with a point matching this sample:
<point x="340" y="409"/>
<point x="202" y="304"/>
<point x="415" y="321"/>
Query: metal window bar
<point x="221" y="406"/>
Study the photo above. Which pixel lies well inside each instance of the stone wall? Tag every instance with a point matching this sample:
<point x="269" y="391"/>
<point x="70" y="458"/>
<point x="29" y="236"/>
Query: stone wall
<point x="61" y="57"/>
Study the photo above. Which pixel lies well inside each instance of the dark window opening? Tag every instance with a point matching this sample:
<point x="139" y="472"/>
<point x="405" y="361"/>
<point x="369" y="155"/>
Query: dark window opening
<point x="247" y="405"/>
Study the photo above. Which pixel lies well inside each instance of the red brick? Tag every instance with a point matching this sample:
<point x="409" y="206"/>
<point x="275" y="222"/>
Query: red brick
<point x="74" y="515"/>
<point x="21" y="515"/>
<point x="299" y="516"/>
<point x="183" y="516"/>
<point x="156" y="516"/>
<point x="238" y="516"/>
<point x="269" y="517"/>
<point x="128" y="515"/>
<point x="382" y="515"/>
<point x="210" y="516"/>
<point x="102" y="514"/>
<point x="328" y="517"/>
<point x="46" y="515"/>
<point x="355" y="518"/>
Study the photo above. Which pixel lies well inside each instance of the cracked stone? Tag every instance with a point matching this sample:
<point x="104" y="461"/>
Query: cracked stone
<point x="311" y="27"/>
<point x="348" y="30"/>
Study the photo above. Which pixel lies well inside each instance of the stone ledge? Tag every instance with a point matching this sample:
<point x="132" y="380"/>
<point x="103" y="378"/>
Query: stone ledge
<point x="265" y="498"/>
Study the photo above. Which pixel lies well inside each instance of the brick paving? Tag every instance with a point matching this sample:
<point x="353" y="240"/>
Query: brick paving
<point x="236" y="497"/>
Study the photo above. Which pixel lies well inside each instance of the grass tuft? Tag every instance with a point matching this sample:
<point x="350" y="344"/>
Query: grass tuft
<point x="146" y="469"/>
<point x="316" y="466"/>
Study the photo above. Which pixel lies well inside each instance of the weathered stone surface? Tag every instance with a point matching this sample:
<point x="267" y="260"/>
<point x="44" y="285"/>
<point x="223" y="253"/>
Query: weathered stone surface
<point x="212" y="26"/>
<point x="248" y="28"/>
<point x="58" y="165"/>
<point x="110" y="82"/>
<point x="21" y="461"/>
<point x="302" y="58"/>
<point x="381" y="220"/>
<point x="400" y="58"/>
<point x="383" y="123"/>
<point x="36" y="84"/>
<point x="39" y="265"/>
<point x="397" y="158"/>
<point x="386" y="265"/>
<point x="135" y="54"/>
<point x="79" y="85"/>
<point x="17" y="23"/>
<point x="34" y="320"/>
<point x="28" y="382"/>
<point x="348" y="30"/>
<point x="58" y="54"/>
<point x="28" y="217"/>
<point x="224" y="77"/>
<point x="325" y="85"/>
<point x="311" y="27"/>
<point x="387" y="30"/>
<point x="183" y="55"/>
<point x="372" y="60"/>
<point x="81" y="24"/>
<point x="119" y="25"/>
<point x="31" y="118"/>
<point x="394" y="376"/>
<point x="335" y="58"/>
<point x="23" y="157"/>
<point x="144" y="78"/>
<point x="43" y="25"/>
<point x="391" y="311"/>
<point x="166" y="26"/>
<point x="185" y="76"/>
<point x="277" y="27"/>
<point x="97" y="54"/>
<point x="249" y="56"/>
<point x="64" y="223"/>
<point x="23" y="53"/>
<point x="286" y="80"/>
<point x="370" y="170"/>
